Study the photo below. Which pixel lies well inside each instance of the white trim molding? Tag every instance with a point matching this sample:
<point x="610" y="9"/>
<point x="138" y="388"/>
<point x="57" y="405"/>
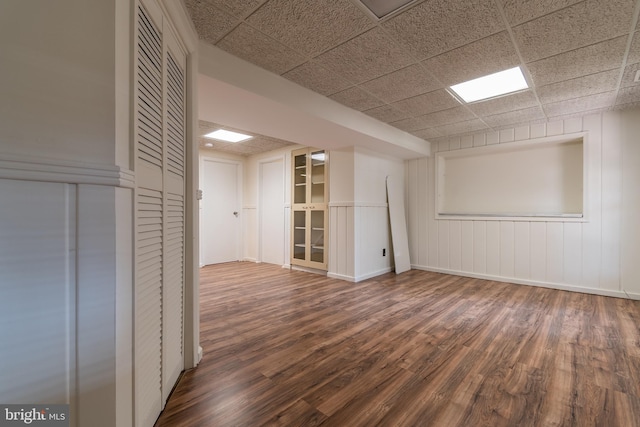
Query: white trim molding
<point x="358" y="205"/>
<point x="356" y="279"/>
<point x="32" y="168"/>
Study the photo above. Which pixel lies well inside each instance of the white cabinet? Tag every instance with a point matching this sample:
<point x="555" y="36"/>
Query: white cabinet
<point x="309" y="208"/>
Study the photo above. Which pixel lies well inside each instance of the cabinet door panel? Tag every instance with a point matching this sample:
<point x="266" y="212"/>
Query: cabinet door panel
<point x="309" y="216"/>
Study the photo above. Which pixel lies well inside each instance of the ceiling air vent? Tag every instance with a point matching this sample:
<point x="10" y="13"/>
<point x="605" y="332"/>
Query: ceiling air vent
<point x="380" y="9"/>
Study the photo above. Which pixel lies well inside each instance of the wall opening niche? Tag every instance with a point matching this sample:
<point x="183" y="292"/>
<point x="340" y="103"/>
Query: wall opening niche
<point x="538" y="179"/>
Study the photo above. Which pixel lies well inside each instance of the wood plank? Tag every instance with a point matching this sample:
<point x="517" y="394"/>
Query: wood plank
<point x="288" y="348"/>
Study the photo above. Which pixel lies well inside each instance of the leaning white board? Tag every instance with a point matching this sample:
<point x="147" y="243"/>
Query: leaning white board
<point x="398" y="225"/>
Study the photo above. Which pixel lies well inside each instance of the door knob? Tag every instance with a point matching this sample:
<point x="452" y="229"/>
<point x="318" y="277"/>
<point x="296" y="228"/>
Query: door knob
<point x="236" y="214"/>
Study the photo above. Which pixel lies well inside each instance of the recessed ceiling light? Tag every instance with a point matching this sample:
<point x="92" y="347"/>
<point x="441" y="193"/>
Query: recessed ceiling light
<point x="490" y="86"/>
<point x="227" y="136"/>
<point x="383" y="8"/>
<point x="208" y="144"/>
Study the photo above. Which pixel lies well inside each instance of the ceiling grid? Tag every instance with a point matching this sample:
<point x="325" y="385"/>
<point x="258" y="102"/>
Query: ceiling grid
<point x="579" y="56"/>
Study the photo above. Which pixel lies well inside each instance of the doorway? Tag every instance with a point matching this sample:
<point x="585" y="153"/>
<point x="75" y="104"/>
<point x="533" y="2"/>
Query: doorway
<point x="272" y="214"/>
<point x="220" y="215"/>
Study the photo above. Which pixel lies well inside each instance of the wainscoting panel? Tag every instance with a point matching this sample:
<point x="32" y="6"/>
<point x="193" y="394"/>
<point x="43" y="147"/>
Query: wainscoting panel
<point x="581" y="255"/>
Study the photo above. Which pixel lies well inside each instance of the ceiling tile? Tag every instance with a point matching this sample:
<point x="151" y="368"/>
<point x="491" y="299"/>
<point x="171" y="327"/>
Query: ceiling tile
<point x="427" y="133"/>
<point x="564" y="30"/>
<point x="310" y="26"/>
<point x="407" y="82"/>
<point x="238" y="8"/>
<point x="580" y="62"/>
<point x="427" y="103"/>
<point x="444" y="117"/>
<point x="630" y="75"/>
<point x="514" y="117"/>
<point x="387" y="114"/>
<point x="253" y="46"/>
<point x="366" y="57"/>
<point x="587" y="103"/>
<point x="411" y="124"/>
<point x="518" y="11"/>
<point x="489" y="55"/>
<point x="317" y="78"/>
<point x="257" y="144"/>
<point x="436" y="26"/>
<point x="634" y="50"/>
<point x="211" y="23"/>
<point x="516" y="101"/>
<point x="459" y="128"/>
<point x="628" y="95"/>
<point x="579" y="87"/>
<point x="357" y="99"/>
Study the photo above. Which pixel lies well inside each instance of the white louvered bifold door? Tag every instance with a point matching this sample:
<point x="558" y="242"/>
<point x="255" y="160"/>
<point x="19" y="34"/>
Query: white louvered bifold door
<point x="173" y="359"/>
<point x="159" y="164"/>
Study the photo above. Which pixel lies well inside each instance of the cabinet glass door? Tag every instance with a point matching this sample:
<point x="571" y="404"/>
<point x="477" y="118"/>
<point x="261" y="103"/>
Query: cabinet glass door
<point x="317" y="176"/>
<point x="299" y="234"/>
<point x="300" y="178"/>
<point x="317" y="236"/>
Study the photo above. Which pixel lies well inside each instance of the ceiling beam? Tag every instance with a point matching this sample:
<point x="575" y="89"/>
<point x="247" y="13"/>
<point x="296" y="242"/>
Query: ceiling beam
<point x="236" y="93"/>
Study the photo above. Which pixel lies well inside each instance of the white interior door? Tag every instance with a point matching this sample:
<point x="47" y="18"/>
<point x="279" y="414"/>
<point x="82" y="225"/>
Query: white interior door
<point x="272" y="215"/>
<point x="220" y="238"/>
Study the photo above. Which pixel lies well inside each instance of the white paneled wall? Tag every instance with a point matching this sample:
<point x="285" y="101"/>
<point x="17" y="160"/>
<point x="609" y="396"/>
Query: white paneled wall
<point x="38" y="292"/>
<point x="583" y="256"/>
<point x="341" y="241"/>
<point x="359" y="215"/>
<point x="372" y="235"/>
<point x="358" y="233"/>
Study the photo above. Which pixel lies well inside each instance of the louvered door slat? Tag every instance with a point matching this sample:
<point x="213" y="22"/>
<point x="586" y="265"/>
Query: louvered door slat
<point x="174" y="250"/>
<point x="149" y="224"/>
<point x="175" y="117"/>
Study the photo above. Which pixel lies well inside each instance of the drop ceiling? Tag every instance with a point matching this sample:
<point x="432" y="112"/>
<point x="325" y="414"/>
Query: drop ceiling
<point x="257" y="144"/>
<point x="578" y="56"/>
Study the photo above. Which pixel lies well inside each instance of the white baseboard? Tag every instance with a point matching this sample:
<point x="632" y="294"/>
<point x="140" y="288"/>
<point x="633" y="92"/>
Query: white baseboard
<point x="309" y="270"/>
<point x="356" y="279"/>
<point x="374" y="274"/>
<point x="341" y="277"/>
<point x="250" y="259"/>
<point x="551" y="285"/>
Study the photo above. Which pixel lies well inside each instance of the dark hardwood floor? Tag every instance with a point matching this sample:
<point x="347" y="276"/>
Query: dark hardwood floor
<point x="287" y="348"/>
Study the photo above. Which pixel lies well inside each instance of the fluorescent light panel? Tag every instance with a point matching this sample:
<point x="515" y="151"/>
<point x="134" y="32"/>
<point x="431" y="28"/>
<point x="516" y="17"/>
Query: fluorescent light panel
<point x="227" y="136"/>
<point x="490" y="86"/>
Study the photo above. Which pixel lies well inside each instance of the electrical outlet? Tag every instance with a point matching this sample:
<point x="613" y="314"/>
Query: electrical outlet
<point x="384" y="252"/>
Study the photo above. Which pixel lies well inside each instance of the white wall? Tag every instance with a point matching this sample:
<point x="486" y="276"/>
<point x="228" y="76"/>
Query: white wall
<point x="630" y="225"/>
<point x="359" y="215"/>
<point x="358" y="211"/>
<point x="58" y="130"/>
<point x="66" y="213"/>
<point x="594" y="256"/>
<point x="58" y="79"/>
<point x="251" y="194"/>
